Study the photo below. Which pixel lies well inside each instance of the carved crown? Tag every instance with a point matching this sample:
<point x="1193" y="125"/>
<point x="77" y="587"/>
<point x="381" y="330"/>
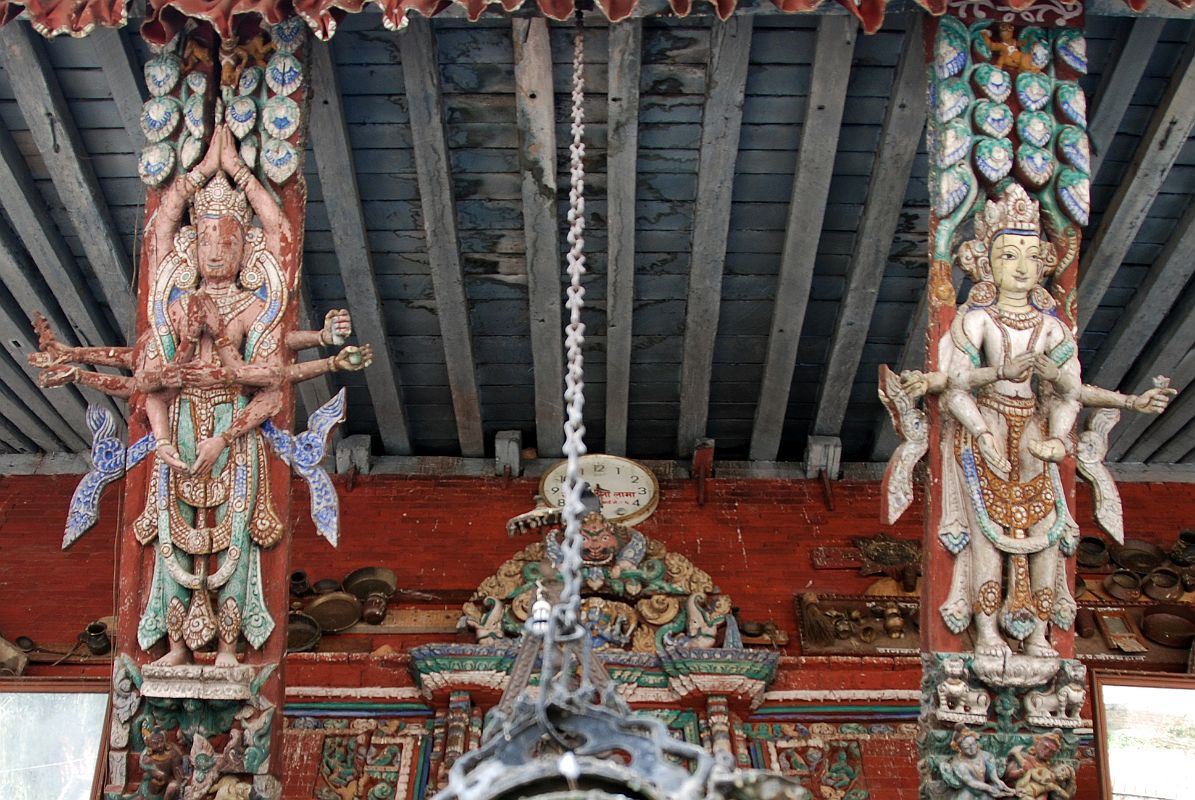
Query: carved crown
<point x="220" y="199"/>
<point x="1014" y="212"/>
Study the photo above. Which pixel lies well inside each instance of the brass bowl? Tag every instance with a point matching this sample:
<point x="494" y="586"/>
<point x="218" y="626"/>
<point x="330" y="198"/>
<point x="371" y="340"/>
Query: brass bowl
<point x="1168" y="630"/>
<point x="371" y="580"/>
<point x="1138" y="556"/>
<point x="302" y="633"/>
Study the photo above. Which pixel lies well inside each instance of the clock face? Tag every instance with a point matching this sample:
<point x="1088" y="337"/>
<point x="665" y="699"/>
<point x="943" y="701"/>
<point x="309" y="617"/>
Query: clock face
<point x="628" y="490"/>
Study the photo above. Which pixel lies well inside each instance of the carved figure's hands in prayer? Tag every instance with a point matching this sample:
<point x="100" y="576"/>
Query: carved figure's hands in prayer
<point x="353" y="358"/>
<point x="211" y="159"/>
<point x="1153" y="401"/>
<point x="916" y="383"/>
<point x="230" y="157"/>
<point x="1045" y="368"/>
<point x="1018" y="368"/>
<point x="338" y="326"/>
<point x="992" y="454"/>
<point x="1048" y="449"/>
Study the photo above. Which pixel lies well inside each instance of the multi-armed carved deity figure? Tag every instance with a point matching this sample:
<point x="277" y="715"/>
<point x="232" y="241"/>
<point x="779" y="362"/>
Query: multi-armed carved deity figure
<point x="207" y="373"/>
<point x="1011" y="393"/>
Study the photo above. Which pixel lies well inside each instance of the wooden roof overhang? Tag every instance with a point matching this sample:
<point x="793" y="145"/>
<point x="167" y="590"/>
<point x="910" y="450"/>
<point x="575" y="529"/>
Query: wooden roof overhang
<point x="736" y="289"/>
<point x="164" y="18"/>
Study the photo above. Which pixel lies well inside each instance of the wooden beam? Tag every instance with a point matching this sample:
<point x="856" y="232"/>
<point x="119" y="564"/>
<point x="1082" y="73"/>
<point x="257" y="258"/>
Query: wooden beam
<point x="1168" y="353"/>
<point x="1169" y="127"/>
<point x="63" y="410"/>
<point x="903" y="122"/>
<point x="806" y="212"/>
<point x="23" y="404"/>
<point x="14" y="439"/>
<point x="535" y="107"/>
<point x="1149" y="306"/>
<point x="1178" y="445"/>
<point x="1160" y="430"/>
<point x="911" y="357"/>
<point x="115" y="56"/>
<point x="622" y="154"/>
<point x="726" y="82"/>
<point x="421" y="73"/>
<point x="317" y="391"/>
<point x="338" y="179"/>
<point x="35" y="86"/>
<point x="1119" y="84"/>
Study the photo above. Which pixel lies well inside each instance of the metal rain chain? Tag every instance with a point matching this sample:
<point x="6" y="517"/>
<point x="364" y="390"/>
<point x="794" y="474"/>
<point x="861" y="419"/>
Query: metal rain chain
<point x="576" y="735"/>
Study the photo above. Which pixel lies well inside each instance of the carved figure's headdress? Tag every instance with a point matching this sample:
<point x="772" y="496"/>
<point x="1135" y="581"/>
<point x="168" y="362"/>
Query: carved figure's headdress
<point x="1015" y="212"/>
<point x="220" y="199"/>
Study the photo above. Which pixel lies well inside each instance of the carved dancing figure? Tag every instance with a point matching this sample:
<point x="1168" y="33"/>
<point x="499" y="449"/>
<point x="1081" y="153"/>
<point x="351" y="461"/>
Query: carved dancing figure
<point x="1037" y="775"/>
<point x="1011" y="392"/>
<point x="207" y="372"/>
<point x="972" y="771"/>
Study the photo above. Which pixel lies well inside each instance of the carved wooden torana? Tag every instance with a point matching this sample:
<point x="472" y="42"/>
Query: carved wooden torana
<point x="204" y="539"/>
<point x="1009" y="189"/>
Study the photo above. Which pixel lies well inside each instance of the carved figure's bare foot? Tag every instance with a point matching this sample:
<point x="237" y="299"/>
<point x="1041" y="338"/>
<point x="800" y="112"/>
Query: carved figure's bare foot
<point x="991" y="645"/>
<point x="226" y="656"/>
<point x="1040" y="649"/>
<point x="178" y="655"/>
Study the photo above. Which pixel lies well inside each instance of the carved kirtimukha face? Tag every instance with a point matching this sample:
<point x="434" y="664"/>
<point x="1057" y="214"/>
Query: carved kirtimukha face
<point x="599" y="542"/>
<point x="220" y="247"/>
<point x="1017" y="263"/>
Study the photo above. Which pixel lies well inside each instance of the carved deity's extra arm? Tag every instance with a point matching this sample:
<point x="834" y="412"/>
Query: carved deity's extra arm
<point x="338" y="326"/>
<point x="165" y="222"/>
<point x="960" y="351"/>
<point x="1151" y="401"/>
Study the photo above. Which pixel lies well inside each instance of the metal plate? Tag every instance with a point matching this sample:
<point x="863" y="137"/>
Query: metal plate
<point x="335" y="611"/>
<point x="371" y="580"/>
<point x="302" y="633"/>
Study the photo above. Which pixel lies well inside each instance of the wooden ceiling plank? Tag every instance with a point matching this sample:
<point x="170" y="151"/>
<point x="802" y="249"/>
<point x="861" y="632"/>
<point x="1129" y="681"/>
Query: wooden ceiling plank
<point x="342" y="203"/>
<point x="726" y="82"/>
<point x="1177" y="447"/>
<point x="1162" y="429"/>
<point x="25" y="406"/>
<point x="1168" y="353"/>
<point x="52" y="126"/>
<point x="833" y="52"/>
<point x="535" y="110"/>
<point x="70" y="422"/>
<point x="1165" y="137"/>
<point x="1149" y="306"/>
<point x="116" y="57"/>
<point x="911" y="357"/>
<point x="79" y="321"/>
<point x="1119" y="84"/>
<point x="421" y="72"/>
<point x="622" y="154"/>
<point x="903" y="122"/>
<point x="14" y="439"/>
<point x="317" y="391"/>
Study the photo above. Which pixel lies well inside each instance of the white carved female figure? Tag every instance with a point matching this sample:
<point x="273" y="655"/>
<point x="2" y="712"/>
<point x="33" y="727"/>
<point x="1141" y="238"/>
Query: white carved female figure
<point x="1011" y="392"/>
<point x="206" y="374"/>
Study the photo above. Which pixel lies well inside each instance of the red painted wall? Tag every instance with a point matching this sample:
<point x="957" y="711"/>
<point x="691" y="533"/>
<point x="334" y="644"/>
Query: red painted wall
<point x="753" y="536"/>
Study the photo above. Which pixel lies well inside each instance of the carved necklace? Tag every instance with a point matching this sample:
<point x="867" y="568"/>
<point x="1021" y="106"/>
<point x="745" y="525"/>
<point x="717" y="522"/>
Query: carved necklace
<point x="231" y="301"/>
<point x="1017" y="320"/>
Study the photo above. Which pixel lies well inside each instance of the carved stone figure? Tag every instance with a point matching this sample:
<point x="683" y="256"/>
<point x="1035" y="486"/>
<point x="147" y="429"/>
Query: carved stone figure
<point x="973" y="772"/>
<point x="1059" y="705"/>
<point x="164" y="765"/>
<point x="957" y="701"/>
<point x="1037" y="775"/>
<point x="207" y="373"/>
<point x="1011" y="392"/>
